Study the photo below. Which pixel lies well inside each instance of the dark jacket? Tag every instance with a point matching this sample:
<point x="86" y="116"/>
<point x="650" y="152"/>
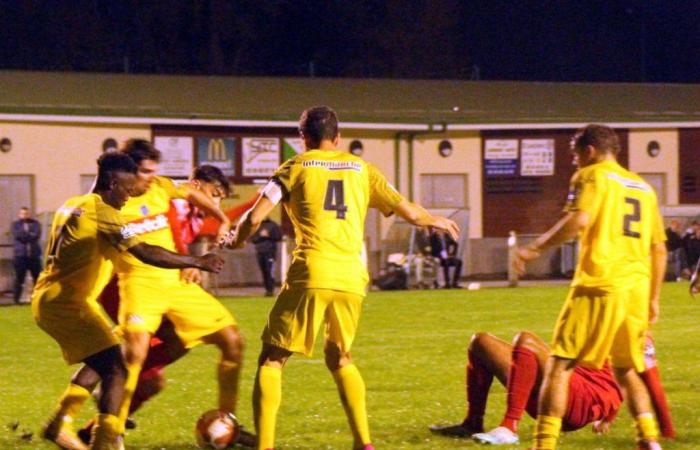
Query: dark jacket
<point x="267" y="244"/>
<point x="440" y="242"/>
<point x="674" y="241"/>
<point x="25" y="236"/>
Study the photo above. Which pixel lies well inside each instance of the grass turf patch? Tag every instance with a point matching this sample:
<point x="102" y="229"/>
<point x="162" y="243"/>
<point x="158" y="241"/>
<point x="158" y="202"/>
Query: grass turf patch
<point x="410" y="348"/>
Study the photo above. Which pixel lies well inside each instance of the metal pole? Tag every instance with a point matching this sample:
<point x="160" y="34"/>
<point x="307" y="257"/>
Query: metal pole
<point x="512" y="247"/>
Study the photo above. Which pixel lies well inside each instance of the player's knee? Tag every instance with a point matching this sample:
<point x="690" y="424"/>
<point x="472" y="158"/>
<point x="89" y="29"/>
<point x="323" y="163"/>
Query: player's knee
<point x="527" y="340"/>
<point x="273" y="356"/>
<point x="235" y="344"/>
<point x="477" y="342"/>
<point x="136" y="348"/>
<point x="335" y="358"/>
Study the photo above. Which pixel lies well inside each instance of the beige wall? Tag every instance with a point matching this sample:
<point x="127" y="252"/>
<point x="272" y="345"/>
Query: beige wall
<point x="57" y="155"/>
<point x="666" y="162"/>
<point x="465" y="158"/>
<point x="378" y="150"/>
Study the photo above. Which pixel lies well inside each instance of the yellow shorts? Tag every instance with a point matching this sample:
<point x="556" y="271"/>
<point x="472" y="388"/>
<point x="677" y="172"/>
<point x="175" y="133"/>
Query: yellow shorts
<point x="298" y="313"/>
<point x="194" y="312"/>
<point x="595" y="324"/>
<point x="82" y="329"/>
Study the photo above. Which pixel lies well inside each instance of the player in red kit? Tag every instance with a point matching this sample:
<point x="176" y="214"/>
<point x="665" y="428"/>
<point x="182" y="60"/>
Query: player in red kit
<point x="594" y="396"/>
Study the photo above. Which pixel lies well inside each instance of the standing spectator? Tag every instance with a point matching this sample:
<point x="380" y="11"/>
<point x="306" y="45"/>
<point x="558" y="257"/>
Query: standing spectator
<point x="265" y="240"/>
<point x="677" y="258"/>
<point x="443" y="247"/>
<point x="692" y="244"/>
<point x="25" y="236"/>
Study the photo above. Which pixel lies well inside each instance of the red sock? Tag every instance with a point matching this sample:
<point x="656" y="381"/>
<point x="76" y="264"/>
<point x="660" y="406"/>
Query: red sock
<point x="479" y="381"/>
<point x="158" y="356"/>
<point x="145" y="389"/>
<point x="521" y="380"/>
<point x="652" y="379"/>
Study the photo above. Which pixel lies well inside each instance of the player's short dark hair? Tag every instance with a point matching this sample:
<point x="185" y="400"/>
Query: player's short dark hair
<point x="318" y="123"/>
<point x="602" y="137"/>
<point x="110" y="163"/>
<point x="141" y="149"/>
<point x="211" y="174"/>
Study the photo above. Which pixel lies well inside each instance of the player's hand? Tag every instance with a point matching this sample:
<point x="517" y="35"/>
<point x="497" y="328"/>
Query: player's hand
<point x="211" y="262"/>
<point x="522" y="256"/>
<point x="654" y="311"/>
<point x="694" y="284"/>
<point x="191" y="275"/>
<point x="601" y="427"/>
<point x="446" y="226"/>
<point x="230" y="240"/>
<point x="223" y="230"/>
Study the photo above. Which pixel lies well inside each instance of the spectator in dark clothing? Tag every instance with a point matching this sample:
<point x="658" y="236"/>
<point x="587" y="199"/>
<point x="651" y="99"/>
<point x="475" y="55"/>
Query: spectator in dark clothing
<point x="265" y="240"/>
<point x="27" y="254"/>
<point x="443" y="247"/>
<point x="692" y="244"/>
<point x="677" y="259"/>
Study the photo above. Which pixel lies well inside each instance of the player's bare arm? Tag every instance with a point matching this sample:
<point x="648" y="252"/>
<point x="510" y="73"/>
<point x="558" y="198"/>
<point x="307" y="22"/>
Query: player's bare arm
<point x="249" y="223"/>
<point x="418" y="216"/>
<point x="206" y="204"/>
<point x="659" y="258"/>
<point x="160" y="257"/>
<point x="567" y="228"/>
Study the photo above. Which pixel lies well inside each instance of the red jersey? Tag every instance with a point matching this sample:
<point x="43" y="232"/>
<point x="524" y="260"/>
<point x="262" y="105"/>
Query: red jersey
<point x="183" y="225"/>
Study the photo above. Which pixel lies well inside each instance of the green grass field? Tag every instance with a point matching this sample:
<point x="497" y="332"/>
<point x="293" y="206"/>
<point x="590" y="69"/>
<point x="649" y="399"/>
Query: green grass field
<point x="410" y="349"/>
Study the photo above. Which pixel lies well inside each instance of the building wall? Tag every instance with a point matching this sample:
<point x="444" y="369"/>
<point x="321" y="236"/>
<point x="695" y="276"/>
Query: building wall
<point x="465" y="158"/>
<point x="689" y="166"/>
<point x="665" y="163"/>
<point x="378" y="149"/>
<point x="57" y="154"/>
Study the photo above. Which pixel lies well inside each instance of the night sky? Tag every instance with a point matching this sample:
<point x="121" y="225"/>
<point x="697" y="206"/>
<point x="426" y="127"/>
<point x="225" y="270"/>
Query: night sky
<point x="565" y="40"/>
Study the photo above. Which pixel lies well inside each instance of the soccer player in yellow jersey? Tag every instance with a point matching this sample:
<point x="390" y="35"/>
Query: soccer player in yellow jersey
<point x="64" y="302"/>
<point x="615" y="292"/>
<point x="326" y="193"/>
<point x="148" y="293"/>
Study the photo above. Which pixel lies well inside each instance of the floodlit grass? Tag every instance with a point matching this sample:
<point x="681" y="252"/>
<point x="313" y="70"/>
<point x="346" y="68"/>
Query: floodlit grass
<point x="410" y="349"/>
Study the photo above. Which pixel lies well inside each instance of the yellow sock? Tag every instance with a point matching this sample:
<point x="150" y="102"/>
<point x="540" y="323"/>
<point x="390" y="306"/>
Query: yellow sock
<point x="546" y="432"/>
<point x="72" y="401"/>
<point x="132" y="379"/>
<point x="68" y="407"/>
<point x="106" y="432"/>
<point x="351" y="387"/>
<point x="267" y="396"/>
<point x="646" y="427"/>
<point x="228" y="385"/>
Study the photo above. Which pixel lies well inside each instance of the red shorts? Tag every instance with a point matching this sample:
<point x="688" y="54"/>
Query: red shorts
<point x="593" y="395"/>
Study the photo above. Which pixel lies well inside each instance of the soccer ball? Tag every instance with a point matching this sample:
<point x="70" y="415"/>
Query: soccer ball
<point x="216" y="429"/>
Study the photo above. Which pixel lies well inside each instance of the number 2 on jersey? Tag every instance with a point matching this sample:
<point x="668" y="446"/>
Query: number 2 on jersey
<point x="634" y="217"/>
<point x="335" y="198"/>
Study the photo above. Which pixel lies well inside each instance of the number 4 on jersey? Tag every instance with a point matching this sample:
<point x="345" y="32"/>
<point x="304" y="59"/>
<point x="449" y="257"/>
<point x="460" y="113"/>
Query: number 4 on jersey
<point x="335" y="199"/>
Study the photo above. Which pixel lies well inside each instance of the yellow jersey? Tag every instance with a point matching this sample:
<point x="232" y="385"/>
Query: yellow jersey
<point x="623" y="222"/>
<point x="146" y="216"/>
<point x="326" y="195"/>
<point x="83" y="232"/>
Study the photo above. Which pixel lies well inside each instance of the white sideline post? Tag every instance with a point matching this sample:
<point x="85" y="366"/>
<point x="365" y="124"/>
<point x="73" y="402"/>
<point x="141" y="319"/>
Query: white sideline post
<point x="284" y="260"/>
<point x="512" y="246"/>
